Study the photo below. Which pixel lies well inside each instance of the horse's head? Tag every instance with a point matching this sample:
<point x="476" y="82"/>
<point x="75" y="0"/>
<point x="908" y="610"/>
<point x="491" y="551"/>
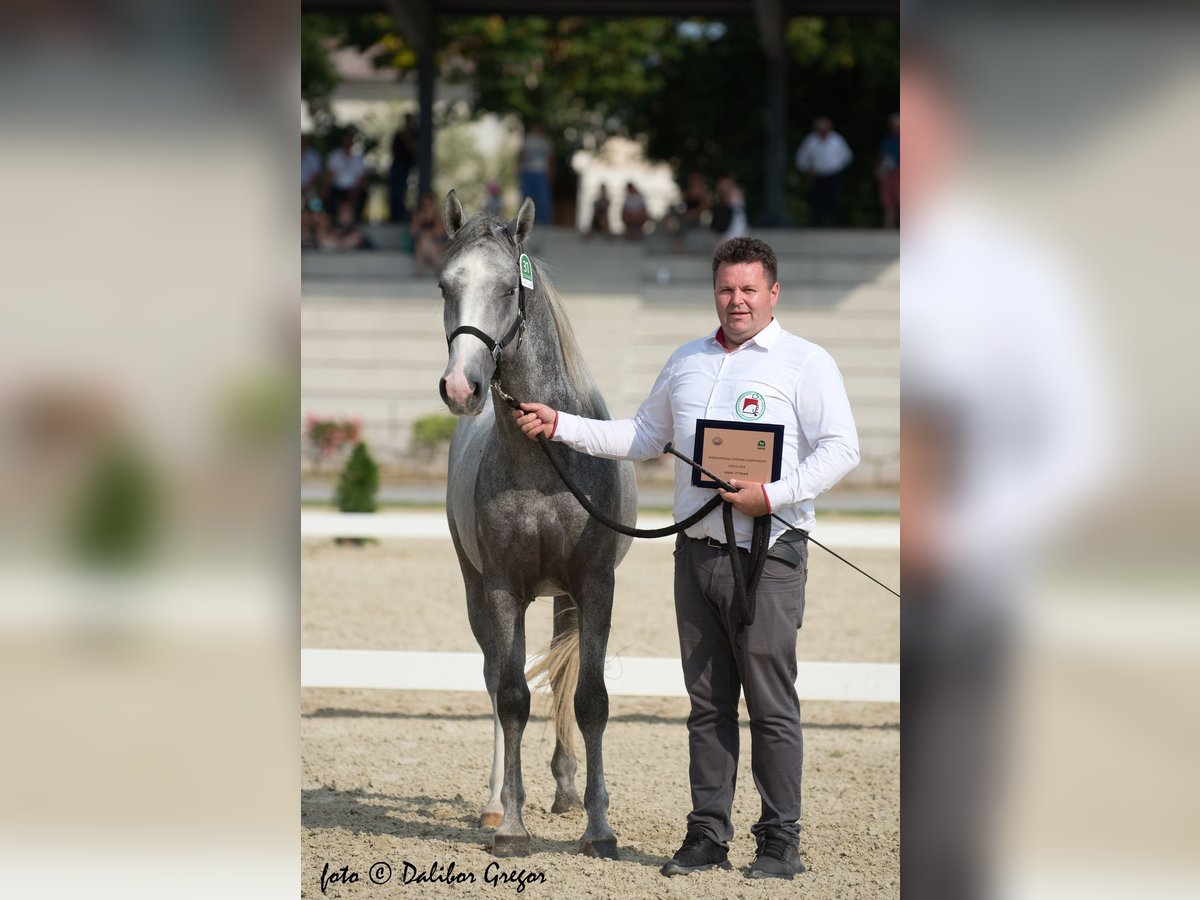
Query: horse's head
<point x="481" y="284"/>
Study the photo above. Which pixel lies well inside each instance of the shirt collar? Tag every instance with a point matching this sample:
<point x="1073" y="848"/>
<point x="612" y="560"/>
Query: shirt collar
<point x="764" y="338"/>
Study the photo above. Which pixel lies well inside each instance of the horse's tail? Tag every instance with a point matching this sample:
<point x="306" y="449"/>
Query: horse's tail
<point x="559" y="664"/>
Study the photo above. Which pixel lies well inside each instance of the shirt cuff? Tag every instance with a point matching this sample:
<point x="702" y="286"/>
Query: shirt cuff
<point x="767" y="497"/>
<point x="563" y="429"/>
<point x="777" y="495"/>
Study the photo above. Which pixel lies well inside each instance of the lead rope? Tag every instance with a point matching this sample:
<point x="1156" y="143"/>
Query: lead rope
<point x="745" y="585"/>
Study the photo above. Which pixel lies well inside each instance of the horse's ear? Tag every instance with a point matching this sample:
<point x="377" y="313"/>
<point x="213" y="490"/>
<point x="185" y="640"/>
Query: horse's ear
<point x="522" y="224"/>
<point x="452" y="213"/>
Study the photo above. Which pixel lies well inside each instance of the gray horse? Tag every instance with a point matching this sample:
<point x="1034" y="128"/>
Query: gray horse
<point x="518" y="533"/>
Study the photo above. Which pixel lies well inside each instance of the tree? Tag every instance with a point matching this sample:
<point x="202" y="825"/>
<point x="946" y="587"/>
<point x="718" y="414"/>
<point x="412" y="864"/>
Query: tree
<point x="692" y="90"/>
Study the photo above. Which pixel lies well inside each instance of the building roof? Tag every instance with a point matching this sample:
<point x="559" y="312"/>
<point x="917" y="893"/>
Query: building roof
<point x="681" y="8"/>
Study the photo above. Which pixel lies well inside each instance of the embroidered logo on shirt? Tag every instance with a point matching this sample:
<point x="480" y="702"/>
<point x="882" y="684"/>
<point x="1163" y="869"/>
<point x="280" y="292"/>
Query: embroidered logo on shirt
<point x="750" y="406"/>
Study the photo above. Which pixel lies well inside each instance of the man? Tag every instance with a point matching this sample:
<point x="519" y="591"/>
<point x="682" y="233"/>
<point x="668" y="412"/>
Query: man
<point x="536" y="170"/>
<point x="796" y="384"/>
<point x="823" y="156"/>
<point x="347" y="178"/>
<point x="404" y="155"/>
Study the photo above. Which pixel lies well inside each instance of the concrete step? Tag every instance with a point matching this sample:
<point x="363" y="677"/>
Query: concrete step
<point x="788" y="242"/>
<point x="793" y="295"/>
<point x="811" y="270"/>
<point x="356" y="264"/>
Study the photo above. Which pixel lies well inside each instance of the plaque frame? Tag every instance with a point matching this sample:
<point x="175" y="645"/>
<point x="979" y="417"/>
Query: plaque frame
<point x="704" y="426"/>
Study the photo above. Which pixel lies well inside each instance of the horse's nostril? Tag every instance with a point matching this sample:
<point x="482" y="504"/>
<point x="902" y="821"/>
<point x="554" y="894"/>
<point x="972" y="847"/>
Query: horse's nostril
<point x="474" y="388"/>
<point x="442" y="391"/>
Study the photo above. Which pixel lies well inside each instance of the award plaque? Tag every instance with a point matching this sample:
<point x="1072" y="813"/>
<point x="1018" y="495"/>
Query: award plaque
<point x="741" y="450"/>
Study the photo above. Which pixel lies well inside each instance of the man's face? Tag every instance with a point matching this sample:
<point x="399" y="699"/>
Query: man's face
<point x="745" y="301"/>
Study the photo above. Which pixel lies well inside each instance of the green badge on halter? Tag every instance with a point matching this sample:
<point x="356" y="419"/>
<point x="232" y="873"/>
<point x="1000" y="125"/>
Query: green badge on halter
<point x="526" y="272"/>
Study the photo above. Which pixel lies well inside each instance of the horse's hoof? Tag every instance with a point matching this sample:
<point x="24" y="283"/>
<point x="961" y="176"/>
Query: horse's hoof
<point x="604" y="848"/>
<point x="510" y="845"/>
<point x="491" y="819"/>
<point x="564" y="804"/>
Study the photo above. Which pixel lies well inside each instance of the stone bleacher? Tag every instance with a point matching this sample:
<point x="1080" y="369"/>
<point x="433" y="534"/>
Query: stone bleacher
<point x="373" y="343"/>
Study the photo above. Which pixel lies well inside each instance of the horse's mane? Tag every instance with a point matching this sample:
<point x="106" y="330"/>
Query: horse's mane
<point x="484" y="227"/>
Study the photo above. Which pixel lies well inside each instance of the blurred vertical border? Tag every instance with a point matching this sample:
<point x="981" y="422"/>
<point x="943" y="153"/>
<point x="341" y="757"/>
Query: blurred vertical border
<point x="148" y="386"/>
<point x="1049" y="418"/>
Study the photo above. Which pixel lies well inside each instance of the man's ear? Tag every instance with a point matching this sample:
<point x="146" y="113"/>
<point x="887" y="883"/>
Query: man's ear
<point x="452" y="213"/>
<point x="521" y="225"/>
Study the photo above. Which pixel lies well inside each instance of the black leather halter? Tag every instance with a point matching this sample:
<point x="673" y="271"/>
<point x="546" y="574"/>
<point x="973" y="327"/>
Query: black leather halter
<point x="514" y="332"/>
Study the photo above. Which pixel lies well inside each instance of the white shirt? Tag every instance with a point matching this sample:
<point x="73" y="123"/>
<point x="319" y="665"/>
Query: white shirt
<point x="824" y="156"/>
<point x="346" y="168"/>
<point x="996" y="336"/>
<point x="797" y="385"/>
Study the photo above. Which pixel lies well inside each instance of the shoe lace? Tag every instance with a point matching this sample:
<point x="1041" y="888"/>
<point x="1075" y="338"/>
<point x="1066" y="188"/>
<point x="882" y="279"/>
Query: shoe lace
<point x="776" y="845"/>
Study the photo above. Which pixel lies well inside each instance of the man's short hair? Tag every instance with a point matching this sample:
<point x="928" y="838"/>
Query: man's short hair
<point x="747" y="250"/>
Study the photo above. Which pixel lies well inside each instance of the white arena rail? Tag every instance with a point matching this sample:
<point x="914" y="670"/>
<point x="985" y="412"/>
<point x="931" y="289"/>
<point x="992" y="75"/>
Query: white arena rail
<point x="624" y="676"/>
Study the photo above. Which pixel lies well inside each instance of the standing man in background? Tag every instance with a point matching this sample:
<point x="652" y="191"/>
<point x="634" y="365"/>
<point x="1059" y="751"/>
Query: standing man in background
<point x="536" y="167"/>
<point x="888" y="172"/>
<point x="404" y="154"/>
<point x="823" y="156"/>
<point x="748" y="369"/>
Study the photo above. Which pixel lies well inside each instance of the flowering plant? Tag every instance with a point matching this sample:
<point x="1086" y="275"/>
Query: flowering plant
<point x="325" y="437"/>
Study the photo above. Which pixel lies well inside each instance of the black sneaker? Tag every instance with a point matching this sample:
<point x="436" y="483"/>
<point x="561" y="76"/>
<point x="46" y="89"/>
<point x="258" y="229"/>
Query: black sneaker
<point x="778" y="856"/>
<point x="697" y="854"/>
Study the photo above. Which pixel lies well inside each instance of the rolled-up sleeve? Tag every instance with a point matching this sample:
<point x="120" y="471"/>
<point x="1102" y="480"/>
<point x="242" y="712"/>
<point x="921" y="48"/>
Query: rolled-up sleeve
<point x="825" y="421"/>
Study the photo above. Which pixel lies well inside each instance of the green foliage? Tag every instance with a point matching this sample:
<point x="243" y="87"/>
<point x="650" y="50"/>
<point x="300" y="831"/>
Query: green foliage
<point x="119" y="514"/>
<point x="694" y="90"/>
<point x="359" y="482"/>
<point x="429" y="432"/>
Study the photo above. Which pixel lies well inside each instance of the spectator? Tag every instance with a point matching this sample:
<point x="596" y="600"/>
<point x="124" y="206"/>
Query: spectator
<point x="404" y="155"/>
<point x="313" y="224"/>
<point x="888" y="172"/>
<point x="537" y="170"/>
<point x="344" y="234"/>
<point x="600" y="208"/>
<point x="695" y="201"/>
<point x="347" y="177"/>
<point x="729" y="214"/>
<point x="429" y="235"/>
<point x="691" y="213"/>
<point x="633" y="213"/>
<point x="310" y="169"/>
<point x="822" y="157"/>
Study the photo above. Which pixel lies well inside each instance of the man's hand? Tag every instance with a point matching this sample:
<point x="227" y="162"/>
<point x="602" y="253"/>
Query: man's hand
<point x="535" y="419"/>
<point x="749" y="499"/>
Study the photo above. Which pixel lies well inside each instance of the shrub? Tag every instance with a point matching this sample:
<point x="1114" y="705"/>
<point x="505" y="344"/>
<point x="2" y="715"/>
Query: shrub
<point x="430" y="431"/>
<point x="359" y="482"/>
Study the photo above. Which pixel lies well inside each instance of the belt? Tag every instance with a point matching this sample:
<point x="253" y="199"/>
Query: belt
<point x="783" y="548"/>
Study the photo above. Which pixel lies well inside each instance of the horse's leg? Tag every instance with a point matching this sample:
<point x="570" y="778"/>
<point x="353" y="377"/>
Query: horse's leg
<point x="504" y="662"/>
<point x="562" y="764"/>
<point x="591" y="709"/>
<point x="493" y="812"/>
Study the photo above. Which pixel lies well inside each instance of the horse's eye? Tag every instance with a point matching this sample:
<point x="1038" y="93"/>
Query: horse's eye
<point x="511" y="291"/>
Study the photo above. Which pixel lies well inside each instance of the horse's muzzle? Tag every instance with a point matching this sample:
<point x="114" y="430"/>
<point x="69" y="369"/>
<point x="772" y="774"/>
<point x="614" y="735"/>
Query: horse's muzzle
<point x="463" y="396"/>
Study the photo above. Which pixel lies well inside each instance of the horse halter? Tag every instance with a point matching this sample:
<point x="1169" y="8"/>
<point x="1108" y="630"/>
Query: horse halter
<point x="516" y="331"/>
